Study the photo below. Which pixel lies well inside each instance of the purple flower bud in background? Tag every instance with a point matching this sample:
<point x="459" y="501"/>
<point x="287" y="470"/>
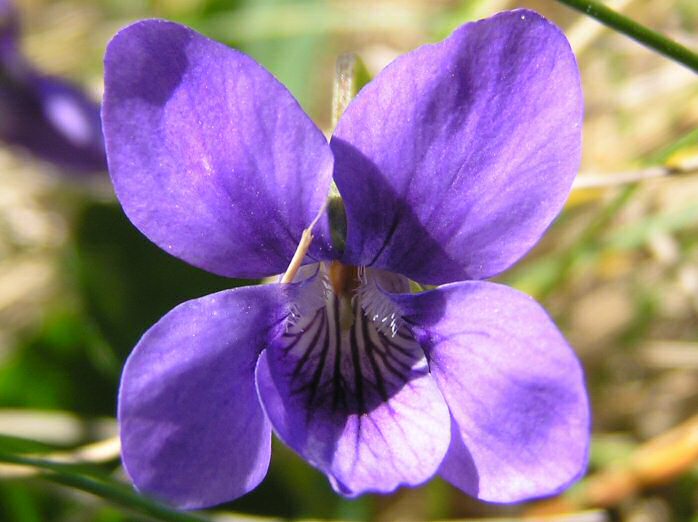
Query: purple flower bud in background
<point x="9" y="29"/>
<point x="451" y="164"/>
<point x="44" y="115"/>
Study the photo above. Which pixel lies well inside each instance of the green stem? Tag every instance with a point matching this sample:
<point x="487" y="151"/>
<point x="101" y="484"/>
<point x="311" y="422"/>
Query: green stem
<point x="640" y="33"/>
<point x="121" y="497"/>
<point x="86" y="480"/>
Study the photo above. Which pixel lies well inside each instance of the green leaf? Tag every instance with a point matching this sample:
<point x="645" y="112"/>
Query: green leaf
<point x="13" y="444"/>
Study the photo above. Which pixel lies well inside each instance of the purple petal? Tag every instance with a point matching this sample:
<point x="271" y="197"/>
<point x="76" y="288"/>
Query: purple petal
<point x="514" y="387"/>
<point x="355" y="402"/>
<point x="9" y="28"/>
<point x="211" y="157"/>
<point x="47" y="116"/>
<point x="455" y="159"/>
<point x="51" y="119"/>
<point x="192" y="430"/>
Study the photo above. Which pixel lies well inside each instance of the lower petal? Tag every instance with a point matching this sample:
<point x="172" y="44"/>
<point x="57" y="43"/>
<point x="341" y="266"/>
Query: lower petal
<point x="192" y="430"/>
<point x="514" y="387"/>
<point x="355" y="402"/>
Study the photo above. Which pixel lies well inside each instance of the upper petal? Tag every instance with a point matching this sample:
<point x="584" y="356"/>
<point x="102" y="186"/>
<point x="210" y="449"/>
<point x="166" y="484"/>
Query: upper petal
<point x="192" y="430"/>
<point x="211" y="157"/>
<point x="455" y="159"/>
<point x="514" y="388"/>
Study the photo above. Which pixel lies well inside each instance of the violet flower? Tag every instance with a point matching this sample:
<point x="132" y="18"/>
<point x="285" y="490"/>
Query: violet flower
<point x="451" y="164"/>
<point x="43" y="114"/>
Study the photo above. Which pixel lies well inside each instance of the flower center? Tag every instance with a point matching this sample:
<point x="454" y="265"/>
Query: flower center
<point x="346" y="347"/>
<point x="344" y="278"/>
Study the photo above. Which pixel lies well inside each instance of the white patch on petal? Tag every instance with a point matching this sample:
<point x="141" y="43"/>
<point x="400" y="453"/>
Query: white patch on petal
<point x="377" y="306"/>
<point x="314" y="294"/>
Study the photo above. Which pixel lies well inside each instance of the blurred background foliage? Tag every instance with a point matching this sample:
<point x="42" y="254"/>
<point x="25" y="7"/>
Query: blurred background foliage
<point x="618" y="270"/>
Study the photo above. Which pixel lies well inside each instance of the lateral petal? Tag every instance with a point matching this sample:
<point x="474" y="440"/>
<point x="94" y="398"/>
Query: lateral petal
<point x="193" y="432"/>
<point x="514" y="387"/>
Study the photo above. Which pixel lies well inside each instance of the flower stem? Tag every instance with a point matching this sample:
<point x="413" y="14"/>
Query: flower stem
<point x="350" y="76"/>
<point x="636" y="31"/>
